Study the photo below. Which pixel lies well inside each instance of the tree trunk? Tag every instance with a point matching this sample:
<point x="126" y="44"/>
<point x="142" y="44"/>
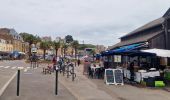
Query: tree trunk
<point x="75" y="53"/>
<point x="44" y="53"/>
<point x="72" y="51"/>
<point x="64" y="52"/>
<point x="56" y="52"/>
<point x="93" y="57"/>
<point x="29" y="52"/>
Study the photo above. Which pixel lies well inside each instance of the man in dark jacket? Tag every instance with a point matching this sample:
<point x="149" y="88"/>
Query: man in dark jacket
<point x="132" y="74"/>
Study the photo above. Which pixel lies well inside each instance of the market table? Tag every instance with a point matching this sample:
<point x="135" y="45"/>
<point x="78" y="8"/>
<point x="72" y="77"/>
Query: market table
<point x="139" y="76"/>
<point x="95" y="71"/>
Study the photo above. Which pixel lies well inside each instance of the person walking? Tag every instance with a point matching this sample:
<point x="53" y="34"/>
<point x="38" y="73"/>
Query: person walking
<point x="78" y="62"/>
<point x="54" y="63"/>
<point x="131" y="68"/>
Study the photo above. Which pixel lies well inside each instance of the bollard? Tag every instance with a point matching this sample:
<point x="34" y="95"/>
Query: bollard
<point x="56" y="82"/>
<point x="63" y="68"/>
<point x="67" y="71"/>
<point x="72" y="72"/>
<point x="18" y="82"/>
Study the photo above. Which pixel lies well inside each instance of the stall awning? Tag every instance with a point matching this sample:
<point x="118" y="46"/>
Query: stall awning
<point x="158" y="52"/>
<point x="124" y="49"/>
<point x="129" y="47"/>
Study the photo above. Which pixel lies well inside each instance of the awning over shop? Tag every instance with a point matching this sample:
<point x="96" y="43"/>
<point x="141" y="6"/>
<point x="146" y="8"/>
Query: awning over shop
<point x="124" y="49"/>
<point x="158" y="52"/>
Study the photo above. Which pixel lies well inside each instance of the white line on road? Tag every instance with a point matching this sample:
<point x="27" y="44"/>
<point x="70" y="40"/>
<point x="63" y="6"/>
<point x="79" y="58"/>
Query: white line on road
<point x="1" y="66"/>
<point x="28" y="67"/>
<point x="13" y="67"/>
<point x="6" y="85"/>
<point x="7" y="67"/>
<point x="25" y="70"/>
<point x="20" y="67"/>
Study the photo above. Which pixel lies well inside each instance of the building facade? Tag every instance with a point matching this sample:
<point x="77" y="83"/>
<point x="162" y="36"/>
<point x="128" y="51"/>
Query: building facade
<point x="13" y="40"/>
<point x="5" y="47"/>
<point x="155" y="34"/>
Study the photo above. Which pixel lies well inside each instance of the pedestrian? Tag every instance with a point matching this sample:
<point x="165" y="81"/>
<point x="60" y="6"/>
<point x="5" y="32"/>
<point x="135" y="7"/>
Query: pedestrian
<point x="78" y="62"/>
<point x="54" y="61"/>
<point x="131" y="68"/>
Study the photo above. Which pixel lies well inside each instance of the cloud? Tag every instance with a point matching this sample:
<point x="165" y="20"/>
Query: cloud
<point x="94" y="21"/>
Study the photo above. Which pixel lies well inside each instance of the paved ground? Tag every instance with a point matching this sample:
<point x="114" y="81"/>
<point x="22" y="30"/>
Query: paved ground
<point x="36" y="86"/>
<point x="83" y="88"/>
<point x="7" y="72"/>
<point x="128" y="92"/>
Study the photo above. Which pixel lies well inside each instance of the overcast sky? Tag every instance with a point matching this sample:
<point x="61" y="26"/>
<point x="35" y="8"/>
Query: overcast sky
<point x="94" y="21"/>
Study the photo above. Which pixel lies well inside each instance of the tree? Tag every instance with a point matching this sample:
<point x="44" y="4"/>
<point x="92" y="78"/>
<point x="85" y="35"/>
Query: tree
<point x="45" y="46"/>
<point x="75" y="45"/>
<point x="56" y="46"/>
<point x="93" y="52"/>
<point x="69" y="39"/>
<point x="30" y="39"/>
<point x="65" y="46"/>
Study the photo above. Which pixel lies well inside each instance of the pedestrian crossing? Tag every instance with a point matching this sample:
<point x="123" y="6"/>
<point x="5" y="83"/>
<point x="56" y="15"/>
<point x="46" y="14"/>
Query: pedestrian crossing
<point x="25" y="69"/>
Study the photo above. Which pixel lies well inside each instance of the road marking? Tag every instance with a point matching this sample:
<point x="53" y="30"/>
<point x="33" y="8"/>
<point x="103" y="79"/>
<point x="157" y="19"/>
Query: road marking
<point x="20" y="67"/>
<point x="28" y="67"/>
<point x="7" y="67"/>
<point x="13" y="67"/>
<point x="1" y="66"/>
<point x="7" y="83"/>
<point x="25" y="70"/>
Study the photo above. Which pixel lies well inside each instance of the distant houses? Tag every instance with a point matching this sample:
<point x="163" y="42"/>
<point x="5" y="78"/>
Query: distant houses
<point x="11" y="41"/>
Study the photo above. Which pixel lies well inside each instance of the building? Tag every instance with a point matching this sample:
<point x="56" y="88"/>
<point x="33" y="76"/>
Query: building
<point x="17" y="41"/>
<point x="155" y="34"/>
<point x="100" y="48"/>
<point x="5" y="46"/>
<point x="46" y="38"/>
<point x="13" y="38"/>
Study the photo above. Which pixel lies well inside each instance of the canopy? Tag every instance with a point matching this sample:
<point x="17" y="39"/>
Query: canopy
<point x="158" y="52"/>
<point x="124" y="49"/>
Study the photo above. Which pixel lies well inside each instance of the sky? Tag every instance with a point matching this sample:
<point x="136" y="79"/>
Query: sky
<point x="99" y="22"/>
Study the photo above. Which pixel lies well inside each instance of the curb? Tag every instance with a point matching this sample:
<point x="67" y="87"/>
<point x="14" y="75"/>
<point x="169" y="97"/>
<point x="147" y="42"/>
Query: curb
<point x="7" y="83"/>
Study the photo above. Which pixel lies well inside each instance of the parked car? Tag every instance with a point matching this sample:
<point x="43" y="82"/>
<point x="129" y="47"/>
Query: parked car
<point x="49" y="57"/>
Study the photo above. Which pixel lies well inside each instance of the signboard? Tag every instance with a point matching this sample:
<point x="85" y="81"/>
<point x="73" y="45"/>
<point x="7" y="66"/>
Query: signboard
<point x="34" y="50"/>
<point x="117" y="58"/>
<point x="114" y="76"/>
<point x="118" y="73"/>
<point x="109" y="76"/>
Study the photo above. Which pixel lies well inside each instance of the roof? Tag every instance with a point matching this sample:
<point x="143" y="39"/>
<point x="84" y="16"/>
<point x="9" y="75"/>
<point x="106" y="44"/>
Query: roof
<point x="15" y="34"/>
<point x="151" y="24"/>
<point x="4" y="34"/>
<point x="139" y="39"/>
<point x="158" y="52"/>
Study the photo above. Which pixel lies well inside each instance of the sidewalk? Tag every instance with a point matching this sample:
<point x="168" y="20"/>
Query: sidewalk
<point x="82" y="88"/>
<point x="95" y="89"/>
<point x="36" y="86"/>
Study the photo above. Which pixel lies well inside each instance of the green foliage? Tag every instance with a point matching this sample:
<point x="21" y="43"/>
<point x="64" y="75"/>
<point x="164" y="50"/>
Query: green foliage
<point x="56" y="45"/>
<point x="69" y="39"/>
<point x="75" y="44"/>
<point x="83" y="46"/>
<point x="30" y="38"/>
<point x="44" y="45"/>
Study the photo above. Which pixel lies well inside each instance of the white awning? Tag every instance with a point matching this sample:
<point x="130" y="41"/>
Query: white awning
<point x="158" y="52"/>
